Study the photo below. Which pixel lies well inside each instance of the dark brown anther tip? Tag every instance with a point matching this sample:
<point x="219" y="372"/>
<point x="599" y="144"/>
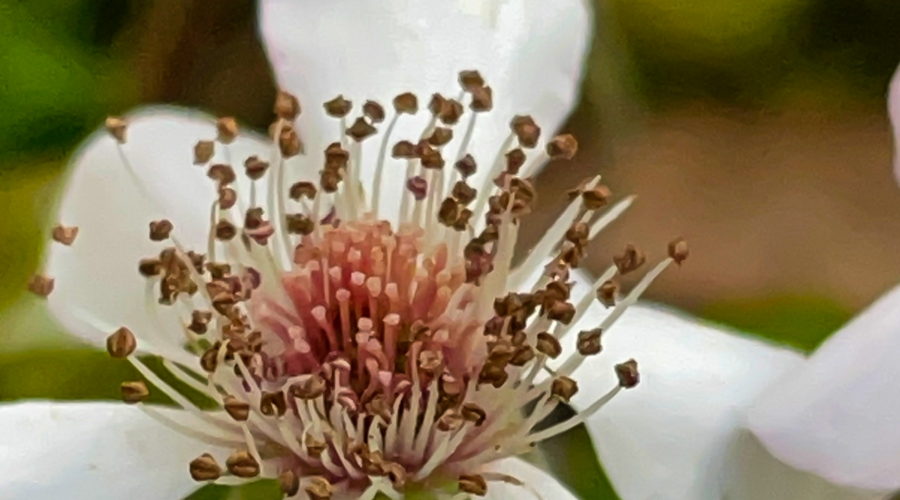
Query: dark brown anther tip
<point x="121" y="343"/>
<point x="242" y="464"/>
<point x="205" y="468"/>
<point x="466" y="166"/>
<point x="678" y="250"/>
<point x="562" y="147"/>
<point x="289" y="483"/>
<point x="514" y="161"/>
<point x="134" y="392"/>
<point x="222" y="174"/>
<point x="289" y="142"/>
<point x="287" y="107"/>
<point x="470" y="79"/>
<point x="440" y="136"/>
<point x="630" y="260"/>
<point x="338" y="107"/>
<point x="225" y="230"/>
<point x="227" y="129"/>
<point x="117" y="128"/>
<point x="160" y="229"/>
<point x="526" y="130"/>
<point x="255" y="167"/>
<point x="482" y="99"/>
<point x="606" y="294"/>
<point x="628" y="374"/>
<point x="203" y="152"/>
<point x="548" y="345"/>
<point x="361" y="129"/>
<point x="64" y="235"/>
<point x="302" y="189"/>
<point x="404" y="149"/>
<point x="564" y="388"/>
<point x="406" y="103"/>
<point x="227" y="198"/>
<point x="40" y="285"/>
<point x="588" y="342"/>
<point x="373" y="111"/>
<point x="473" y="484"/>
<point x="597" y="197"/>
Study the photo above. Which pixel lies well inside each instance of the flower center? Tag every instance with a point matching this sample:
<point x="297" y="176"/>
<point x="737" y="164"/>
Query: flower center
<point x="352" y="355"/>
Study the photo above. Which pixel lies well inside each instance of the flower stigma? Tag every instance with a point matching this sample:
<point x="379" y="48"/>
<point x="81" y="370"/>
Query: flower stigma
<point x="352" y="352"/>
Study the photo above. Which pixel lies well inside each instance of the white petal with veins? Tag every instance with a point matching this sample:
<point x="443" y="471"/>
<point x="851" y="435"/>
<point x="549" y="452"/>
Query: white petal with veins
<point x="102" y="451"/>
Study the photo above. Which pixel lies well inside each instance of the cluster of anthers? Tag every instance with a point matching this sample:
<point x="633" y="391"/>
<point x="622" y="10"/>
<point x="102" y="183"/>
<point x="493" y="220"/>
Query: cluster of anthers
<point x="352" y="355"/>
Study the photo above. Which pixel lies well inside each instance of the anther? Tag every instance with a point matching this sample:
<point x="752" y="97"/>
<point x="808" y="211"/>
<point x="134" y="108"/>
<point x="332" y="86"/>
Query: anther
<point x="225" y="230"/>
<point x="121" y="343"/>
<point x="466" y="166"/>
<point x="209" y="360"/>
<point x="678" y="250"/>
<point x="287" y="107"/>
<point x="418" y="186"/>
<point x="627" y="373"/>
<point x="117" y="128"/>
<point x="630" y="259"/>
<point x="606" y="294"/>
<point x="373" y="111"/>
<point x="203" y="152"/>
<point x="482" y="99"/>
<point x="310" y="388"/>
<point x="150" y="267"/>
<point x="588" y="342"/>
<point x="272" y="404"/>
<point x="318" y="488"/>
<point x="134" y="392"/>
<point x="470" y="79"/>
<point x="473" y="484"/>
<point x="289" y="483"/>
<point x="227" y="128"/>
<point x="473" y="413"/>
<point x="406" y="103"/>
<point x="548" y="345"/>
<point x="404" y="149"/>
<point x="526" y="130"/>
<point x="289" y="142"/>
<point x="255" y="167"/>
<point x="338" y="107"/>
<point x="302" y="189"/>
<point x="242" y="464"/>
<point x="227" y="198"/>
<point x="430" y="157"/>
<point x="450" y="420"/>
<point x="205" y="468"/>
<point x="160" y="229"/>
<point x="595" y="198"/>
<point x="300" y="224"/>
<point x="221" y="173"/>
<point x="562" y="147"/>
<point x="564" y="388"/>
<point x="514" y="161"/>
<point x="463" y="193"/>
<point x="200" y="321"/>
<point x="361" y="129"/>
<point x="440" y="136"/>
<point x="40" y="285"/>
<point x="64" y="234"/>
<point x="561" y="311"/>
<point x="523" y="354"/>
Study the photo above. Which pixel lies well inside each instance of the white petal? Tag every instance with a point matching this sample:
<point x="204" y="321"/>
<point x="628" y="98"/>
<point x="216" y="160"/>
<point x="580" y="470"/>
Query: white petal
<point x="667" y="438"/>
<point x="894" y="113"/>
<point x="93" y="450"/>
<point x="837" y="416"/>
<point x="98" y="287"/>
<point x="538" y="484"/>
<point x="530" y="52"/>
<point x="754" y="474"/>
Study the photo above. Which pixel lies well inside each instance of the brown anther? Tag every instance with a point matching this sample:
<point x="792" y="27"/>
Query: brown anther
<point x="300" y="224"/>
<point x="218" y="270"/>
<point x="289" y="142"/>
<point x="473" y="413"/>
<point x="272" y="404"/>
<point x="561" y="311"/>
<point x="223" y="301"/>
<point x="466" y="166"/>
<point x="448" y="212"/>
<point x="209" y="360"/>
<point x="627" y="373"/>
<point x="493" y="374"/>
<point x="336" y="156"/>
<point x="287" y="107"/>
<point x="200" y="321"/>
<point x="470" y="79"/>
<point x="225" y="230"/>
<point x="227" y="128"/>
<point x="205" y="468"/>
<point x="514" y="160"/>
<point x="314" y="446"/>
<point x="606" y="294"/>
<point x="404" y="149"/>
<point x="227" y="198"/>
<point x="302" y="189"/>
<point x="631" y="259"/>
<point x="436" y="104"/>
<point x="595" y="198"/>
<point x="482" y="99"/>
<point x="430" y="157"/>
<point x="451" y="420"/>
<point x="121" y="343"/>
<point x="64" y="234"/>
<point x="318" y="488"/>
<point x="678" y="250"/>
<point x="160" y="229"/>
<point x="523" y="354"/>
<point x="562" y="147"/>
<point x="289" y="483"/>
<point x="255" y="167"/>
<point x="149" y="267"/>
<point x="526" y="130"/>
<point x="418" y="186"/>
<point x="440" y="136"/>
<point x="588" y="342"/>
<point x="338" y="107"/>
<point x="374" y="111"/>
<point x="396" y="473"/>
<point x="134" y="392"/>
<point x="451" y="111"/>
<point x="253" y="218"/>
<point x="203" y="152"/>
<point x="221" y="173"/>
<point x="406" y="103"/>
<point x="117" y="128"/>
<point x="548" y="345"/>
<point x="40" y="285"/>
<point x="309" y="388"/>
<point x="330" y="180"/>
<point x="242" y="464"/>
<point x="463" y="192"/>
<point x="578" y="233"/>
<point x="236" y="408"/>
<point x="473" y="484"/>
<point x="361" y="129"/>
<point x="564" y="388"/>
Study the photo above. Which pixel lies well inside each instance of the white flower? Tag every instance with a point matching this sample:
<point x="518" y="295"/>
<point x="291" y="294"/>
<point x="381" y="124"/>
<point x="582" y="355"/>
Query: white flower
<point x="326" y="342"/>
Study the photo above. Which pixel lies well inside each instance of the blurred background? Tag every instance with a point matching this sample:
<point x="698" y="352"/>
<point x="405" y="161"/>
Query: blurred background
<point x="757" y="130"/>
